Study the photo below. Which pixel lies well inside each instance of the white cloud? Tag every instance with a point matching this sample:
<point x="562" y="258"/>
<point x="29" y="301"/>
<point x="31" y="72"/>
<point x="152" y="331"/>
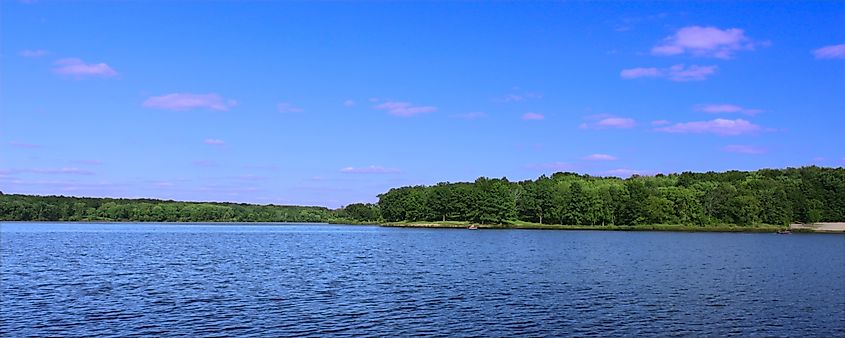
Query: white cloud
<point x="204" y="163"/>
<point x="745" y="149"/>
<point x="600" y="157"/>
<point x="717" y="126"/>
<point x="33" y="53"/>
<point x="48" y="171"/>
<point x="285" y="107"/>
<point x="533" y="117"/>
<point x="404" y="109"/>
<point x="604" y="121"/>
<point x="830" y="52"/>
<point x="373" y="169"/>
<point x="188" y="101"/>
<point x="471" y="116"/>
<point x="726" y="108"/>
<point x="17" y="144"/>
<point x="520" y="96"/>
<point x="705" y="41"/>
<point x="78" y="68"/>
<point x="624" y="172"/>
<point x="677" y="73"/>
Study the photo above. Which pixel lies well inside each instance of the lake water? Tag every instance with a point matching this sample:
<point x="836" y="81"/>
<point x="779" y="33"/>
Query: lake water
<point x="297" y="279"/>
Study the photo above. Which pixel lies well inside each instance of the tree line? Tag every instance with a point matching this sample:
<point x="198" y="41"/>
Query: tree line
<point x="770" y="196"/>
<point x="61" y="208"/>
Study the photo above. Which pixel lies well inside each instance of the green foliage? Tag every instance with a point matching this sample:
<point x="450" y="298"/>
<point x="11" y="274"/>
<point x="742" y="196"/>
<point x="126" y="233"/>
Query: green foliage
<point x="733" y="198"/>
<point x="770" y="196"/>
<point x="60" y="208"/>
<point x="493" y="201"/>
<point x="361" y="212"/>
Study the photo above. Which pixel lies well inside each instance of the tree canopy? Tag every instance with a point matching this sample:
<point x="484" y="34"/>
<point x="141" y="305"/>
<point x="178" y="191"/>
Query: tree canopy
<point x="771" y="196"/>
<point x="60" y="208"/>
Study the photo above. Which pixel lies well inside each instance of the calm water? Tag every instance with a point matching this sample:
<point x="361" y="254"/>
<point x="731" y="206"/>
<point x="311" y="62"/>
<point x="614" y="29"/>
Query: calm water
<point x="167" y="279"/>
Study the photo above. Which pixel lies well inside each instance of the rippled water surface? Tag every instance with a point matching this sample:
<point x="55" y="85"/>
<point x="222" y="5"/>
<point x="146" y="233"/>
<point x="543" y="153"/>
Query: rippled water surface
<point x="272" y="280"/>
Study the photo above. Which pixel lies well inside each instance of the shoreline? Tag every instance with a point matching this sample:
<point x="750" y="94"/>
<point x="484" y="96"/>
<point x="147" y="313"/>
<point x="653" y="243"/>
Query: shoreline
<point x="822" y="228"/>
<point x="654" y="227"/>
<point x="177" y="222"/>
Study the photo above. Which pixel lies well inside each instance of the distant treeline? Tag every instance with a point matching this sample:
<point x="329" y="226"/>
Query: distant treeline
<point x="60" y="208"/>
<point x="770" y="196"/>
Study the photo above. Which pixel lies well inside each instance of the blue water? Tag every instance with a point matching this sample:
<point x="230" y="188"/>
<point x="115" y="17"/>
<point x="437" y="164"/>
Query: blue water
<point x="282" y="280"/>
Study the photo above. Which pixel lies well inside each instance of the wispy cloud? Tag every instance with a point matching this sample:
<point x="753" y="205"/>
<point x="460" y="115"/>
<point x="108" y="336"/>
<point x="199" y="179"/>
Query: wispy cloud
<point x="717" y="126"/>
<point x="33" y="53"/>
<point x="600" y="157"/>
<point x="285" y="107"/>
<point x="471" y="116"/>
<point x="533" y="116"/>
<point x="373" y="169"/>
<point x="660" y="122"/>
<point x="629" y="23"/>
<point x="52" y="186"/>
<point x="92" y="162"/>
<point x="519" y="96"/>
<point x="680" y="73"/>
<point x="349" y="103"/>
<point x="164" y="184"/>
<point x="634" y="73"/>
<point x="228" y="190"/>
<point x="624" y="172"/>
<point x="604" y="121"/>
<point x="17" y="144"/>
<point x="48" y="171"/>
<point x="705" y="41"/>
<point x="188" y="101"/>
<point x="726" y="108"/>
<point x="404" y="109"/>
<point x="557" y="166"/>
<point x="616" y="122"/>
<point x="830" y="52"/>
<point x="213" y="142"/>
<point x="204" y="163"/>
<point x="251" y="178"/>
<point x="745" y="149"/>
<point x="677" y="73"/>
<point x="266" y="167"/>
<point x="78" y="68"/>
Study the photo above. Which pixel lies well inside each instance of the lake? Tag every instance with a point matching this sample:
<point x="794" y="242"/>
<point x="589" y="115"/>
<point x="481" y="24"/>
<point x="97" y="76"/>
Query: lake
<point x="83" y="279"/>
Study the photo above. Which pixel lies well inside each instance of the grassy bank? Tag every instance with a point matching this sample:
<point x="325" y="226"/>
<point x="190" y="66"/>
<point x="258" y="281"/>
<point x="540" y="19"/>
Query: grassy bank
<point x="346" y="221"/>
<point x="538" y="226"/>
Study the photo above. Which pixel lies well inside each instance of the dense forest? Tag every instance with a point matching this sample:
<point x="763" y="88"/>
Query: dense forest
<point x="769" y="196"/>
<point x="60" y="208"/>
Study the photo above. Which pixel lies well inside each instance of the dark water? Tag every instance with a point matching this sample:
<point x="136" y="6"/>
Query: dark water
<point x="211" y="280"/>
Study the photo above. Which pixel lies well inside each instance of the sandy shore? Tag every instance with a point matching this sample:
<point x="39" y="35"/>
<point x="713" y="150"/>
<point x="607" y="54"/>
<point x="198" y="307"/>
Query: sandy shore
<point x="821" y="227"/>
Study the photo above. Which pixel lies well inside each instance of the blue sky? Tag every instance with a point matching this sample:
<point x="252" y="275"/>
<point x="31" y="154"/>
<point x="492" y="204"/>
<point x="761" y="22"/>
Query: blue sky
<point x="333" y="103"/>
